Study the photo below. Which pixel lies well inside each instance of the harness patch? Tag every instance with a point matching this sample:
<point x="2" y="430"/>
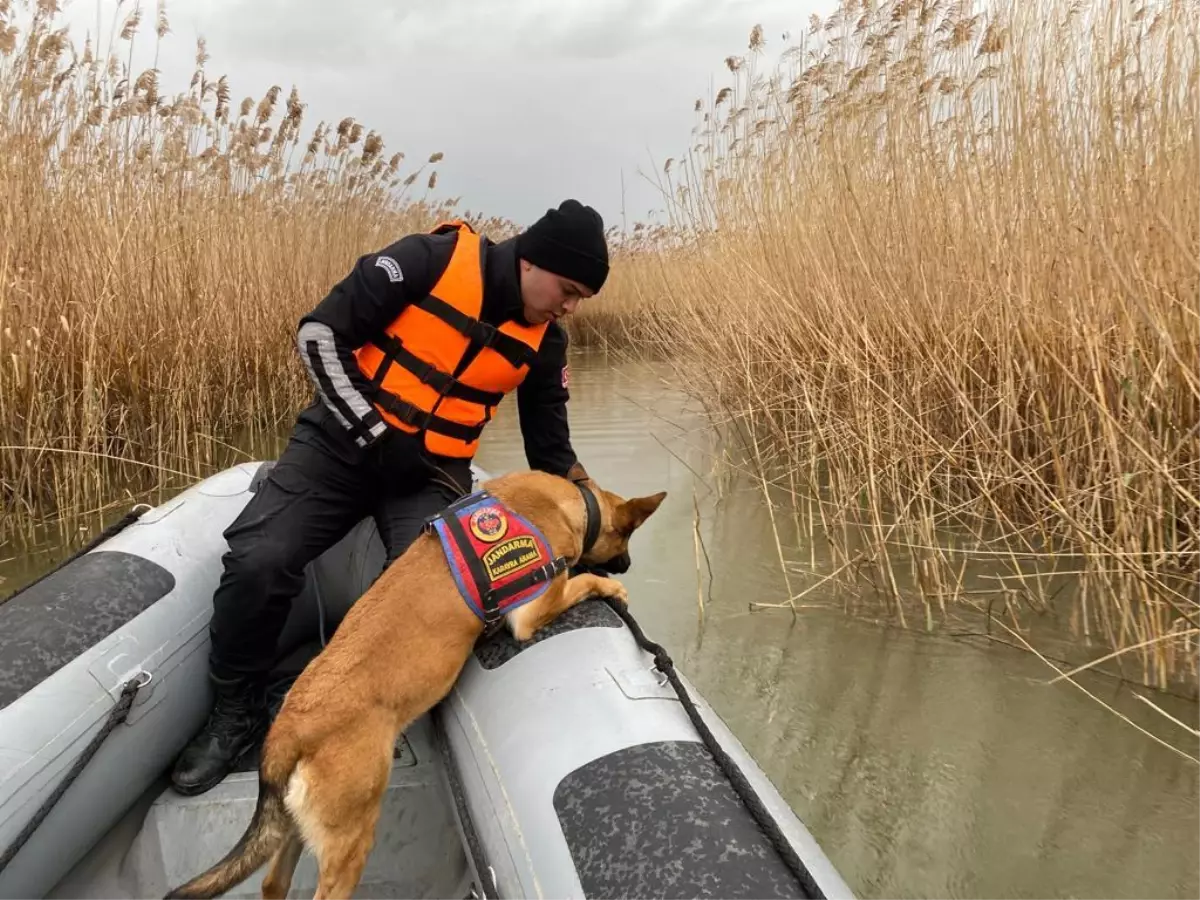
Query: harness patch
<point x="514" y="555"/>
<point x="392" y="268"/>
<point x="488" y="524"/>
<point x="499" y="559"/>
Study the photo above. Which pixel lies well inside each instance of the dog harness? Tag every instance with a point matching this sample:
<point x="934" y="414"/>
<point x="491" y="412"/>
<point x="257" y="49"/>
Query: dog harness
<point x="500" y="560"/>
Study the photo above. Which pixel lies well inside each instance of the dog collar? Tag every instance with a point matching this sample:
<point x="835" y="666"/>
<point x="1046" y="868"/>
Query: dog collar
<point x="592" y="530"/>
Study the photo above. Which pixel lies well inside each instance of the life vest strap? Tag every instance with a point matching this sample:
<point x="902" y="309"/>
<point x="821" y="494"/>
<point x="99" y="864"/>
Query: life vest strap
<point x="423" y="421"/>
<point x="516" y="352"/>
<point x="395" y="352"/>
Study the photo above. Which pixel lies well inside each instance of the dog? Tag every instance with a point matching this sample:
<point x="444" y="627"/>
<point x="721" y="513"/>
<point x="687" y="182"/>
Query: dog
<point x="500" y="556"/>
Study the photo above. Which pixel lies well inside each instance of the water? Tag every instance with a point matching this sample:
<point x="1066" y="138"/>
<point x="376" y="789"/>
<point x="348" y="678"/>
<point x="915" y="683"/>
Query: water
<point x="926" y="766"/>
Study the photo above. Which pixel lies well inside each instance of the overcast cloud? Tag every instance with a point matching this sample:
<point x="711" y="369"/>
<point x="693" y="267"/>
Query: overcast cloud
<point x="531" y="101"/>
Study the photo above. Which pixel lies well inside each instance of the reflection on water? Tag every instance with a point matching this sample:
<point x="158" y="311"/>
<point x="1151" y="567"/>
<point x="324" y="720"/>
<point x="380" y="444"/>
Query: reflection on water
<point x="924" y="765"/>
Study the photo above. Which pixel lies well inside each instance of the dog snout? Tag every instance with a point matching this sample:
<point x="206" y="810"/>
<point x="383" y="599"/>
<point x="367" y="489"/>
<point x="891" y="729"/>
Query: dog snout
<point x="619" y="564"/>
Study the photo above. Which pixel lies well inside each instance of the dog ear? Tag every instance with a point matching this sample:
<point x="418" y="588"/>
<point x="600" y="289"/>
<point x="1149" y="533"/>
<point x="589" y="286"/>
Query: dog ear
<point x="636" y="511"/>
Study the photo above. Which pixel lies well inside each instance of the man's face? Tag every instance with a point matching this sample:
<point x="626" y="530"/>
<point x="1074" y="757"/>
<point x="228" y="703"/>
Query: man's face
<point x="548" y="297"/>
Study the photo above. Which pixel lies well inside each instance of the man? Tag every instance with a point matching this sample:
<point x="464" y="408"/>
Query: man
<point x="410" y="354"/>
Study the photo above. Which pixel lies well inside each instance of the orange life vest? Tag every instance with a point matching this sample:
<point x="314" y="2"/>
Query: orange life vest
<point x="413" y="364"/>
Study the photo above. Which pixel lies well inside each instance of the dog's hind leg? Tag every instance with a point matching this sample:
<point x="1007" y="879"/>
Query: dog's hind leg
<point x="278" y="880"/>
<point x="344" y="786"/>
<point x="344" y="856"/>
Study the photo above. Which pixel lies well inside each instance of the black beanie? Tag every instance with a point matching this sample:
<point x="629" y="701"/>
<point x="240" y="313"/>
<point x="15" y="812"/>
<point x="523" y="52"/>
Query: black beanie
<point x="568" y="241"/>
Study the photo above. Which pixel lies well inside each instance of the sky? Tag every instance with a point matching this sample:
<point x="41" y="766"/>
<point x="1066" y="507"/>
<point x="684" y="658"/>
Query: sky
<point x="531" y="101"/>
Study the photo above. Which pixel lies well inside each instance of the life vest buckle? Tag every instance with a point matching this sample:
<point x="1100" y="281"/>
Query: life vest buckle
<point x="405" y="411"/>
<point x="482" y="332"/>
<point x="430" y="375"/>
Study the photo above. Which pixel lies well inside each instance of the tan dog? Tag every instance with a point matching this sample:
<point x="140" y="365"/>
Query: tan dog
<point x="327" y="757"/>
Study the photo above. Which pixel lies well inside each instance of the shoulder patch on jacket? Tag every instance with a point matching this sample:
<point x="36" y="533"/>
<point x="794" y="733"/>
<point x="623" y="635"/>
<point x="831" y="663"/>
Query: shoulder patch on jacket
<point x="392" y="268"/>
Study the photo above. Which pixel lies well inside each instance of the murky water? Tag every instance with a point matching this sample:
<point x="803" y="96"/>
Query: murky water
<point x="926" y="766"/>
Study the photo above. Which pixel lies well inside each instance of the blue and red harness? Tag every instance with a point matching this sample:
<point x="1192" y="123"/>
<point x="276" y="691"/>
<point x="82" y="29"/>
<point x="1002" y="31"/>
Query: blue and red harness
<point x="500" y="559"/>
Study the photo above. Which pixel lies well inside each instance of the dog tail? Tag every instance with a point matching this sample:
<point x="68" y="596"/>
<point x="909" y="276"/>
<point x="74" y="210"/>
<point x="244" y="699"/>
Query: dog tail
<point x="270" y="826"/>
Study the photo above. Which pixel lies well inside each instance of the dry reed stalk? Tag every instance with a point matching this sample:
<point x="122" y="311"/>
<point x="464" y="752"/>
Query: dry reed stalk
<point x="946" y="280"/>
<point x="156" y="252"/>
<point x="696" y="550"/>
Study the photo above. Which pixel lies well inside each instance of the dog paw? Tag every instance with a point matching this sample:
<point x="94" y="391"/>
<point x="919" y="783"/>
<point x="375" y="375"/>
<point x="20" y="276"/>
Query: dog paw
<point x="618" y="592"/>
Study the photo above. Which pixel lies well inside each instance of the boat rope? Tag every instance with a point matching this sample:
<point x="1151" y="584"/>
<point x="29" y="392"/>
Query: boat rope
<point x="115" y="528"/>
<point x="737" y="779"/>
<point x="115" y="717"/>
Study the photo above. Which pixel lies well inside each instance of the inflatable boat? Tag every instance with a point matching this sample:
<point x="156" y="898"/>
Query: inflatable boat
<point x="577" y="764"/>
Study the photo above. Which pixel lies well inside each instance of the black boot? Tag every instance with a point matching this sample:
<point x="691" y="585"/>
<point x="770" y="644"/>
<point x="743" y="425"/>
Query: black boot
<point x="235" y="725"/>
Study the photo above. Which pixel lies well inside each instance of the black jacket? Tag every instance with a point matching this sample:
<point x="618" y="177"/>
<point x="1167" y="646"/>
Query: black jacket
<point x="378" y="288"/>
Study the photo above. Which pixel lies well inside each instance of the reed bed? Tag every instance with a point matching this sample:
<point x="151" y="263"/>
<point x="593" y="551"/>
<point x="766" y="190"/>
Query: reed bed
<point x="156" y="253"/>
<point x="938" y="269"/>
<point x="937" y="272"/>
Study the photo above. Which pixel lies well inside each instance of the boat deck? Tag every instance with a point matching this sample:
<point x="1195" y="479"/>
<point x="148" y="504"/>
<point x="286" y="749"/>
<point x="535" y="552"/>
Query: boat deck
<point x="167" y="838"/>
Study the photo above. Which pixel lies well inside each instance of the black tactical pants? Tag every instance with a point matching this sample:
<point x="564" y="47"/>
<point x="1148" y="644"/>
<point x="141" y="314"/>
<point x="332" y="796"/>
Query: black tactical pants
<point x="321" y="486"/>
